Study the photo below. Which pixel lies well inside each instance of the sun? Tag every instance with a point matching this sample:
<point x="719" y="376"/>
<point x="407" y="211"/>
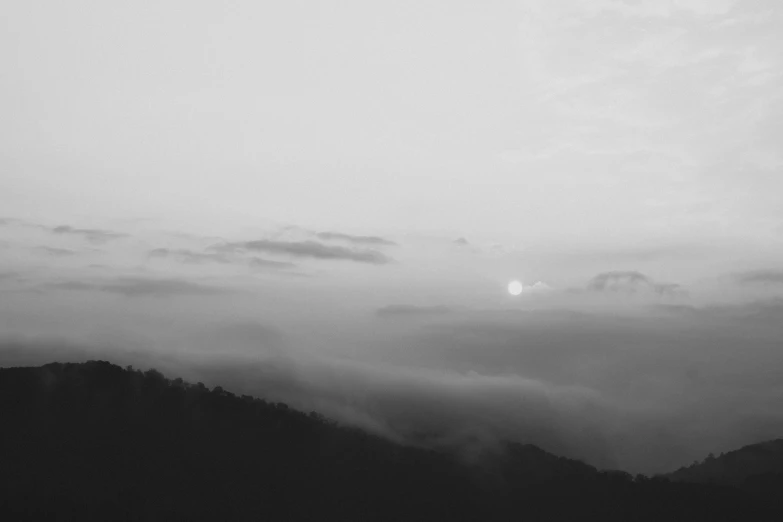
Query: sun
<point x="515" y="287"/>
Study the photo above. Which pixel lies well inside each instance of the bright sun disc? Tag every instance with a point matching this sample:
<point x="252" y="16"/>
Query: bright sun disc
<point x="515" y="288"/>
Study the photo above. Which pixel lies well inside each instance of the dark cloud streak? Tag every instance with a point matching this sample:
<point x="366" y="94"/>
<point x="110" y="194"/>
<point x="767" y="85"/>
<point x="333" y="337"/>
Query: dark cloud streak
<point x="359" y="240"/>
<point x="56" y="252"/>
<point x="74" y="285"/>
<point x="92" y="235"/>
<point x="631" y="281"/>
<point x="258" y="262"/>
<point x="188" y="256"/>
<point x="142" y="287"/>
<point x="412" y="311"/>
<point x="133" y="287"/>
<point x="308" y="249"/>
<point x="760" y="277"/>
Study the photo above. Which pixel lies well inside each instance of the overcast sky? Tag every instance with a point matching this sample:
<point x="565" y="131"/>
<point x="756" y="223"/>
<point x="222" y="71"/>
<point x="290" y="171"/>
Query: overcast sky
<point x="349" y="186"/>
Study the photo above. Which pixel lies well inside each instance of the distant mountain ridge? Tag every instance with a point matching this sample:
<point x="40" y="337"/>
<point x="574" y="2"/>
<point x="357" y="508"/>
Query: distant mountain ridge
<point x="764" y="459"/>
<point x="94" y="441"/>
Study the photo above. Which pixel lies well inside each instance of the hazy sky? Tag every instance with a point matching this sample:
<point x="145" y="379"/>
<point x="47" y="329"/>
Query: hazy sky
<point x="289" y="180"/>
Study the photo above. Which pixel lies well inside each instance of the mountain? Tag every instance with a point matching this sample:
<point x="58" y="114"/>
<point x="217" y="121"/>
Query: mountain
<point x="94" y="441"/>
<point x="753" y="466"/>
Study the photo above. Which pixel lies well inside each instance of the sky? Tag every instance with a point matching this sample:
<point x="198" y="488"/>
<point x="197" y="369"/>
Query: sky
<point x="324" y="202"/>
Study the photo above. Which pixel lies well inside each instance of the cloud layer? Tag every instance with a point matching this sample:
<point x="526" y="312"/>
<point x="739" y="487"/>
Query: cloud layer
<point x="358" y="240"/>
<point x="188" y="256"/>
<point x="631" y="281"/>
<point x="308" y="249"/>
<point x="143" y="287"/>
<point x="412" y="311"/>
<point x="772" y="277"/>
<point x="647" y="390"/>
<point x="93" y="235"/>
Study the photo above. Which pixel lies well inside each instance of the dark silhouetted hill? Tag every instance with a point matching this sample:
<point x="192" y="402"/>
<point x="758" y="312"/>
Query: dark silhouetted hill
<point x="94" y="441"/>
<point x="757" y="467"/>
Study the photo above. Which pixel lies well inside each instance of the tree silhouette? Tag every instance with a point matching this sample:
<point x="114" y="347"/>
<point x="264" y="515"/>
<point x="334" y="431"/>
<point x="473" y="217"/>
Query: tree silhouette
<point x="94" y="441"/>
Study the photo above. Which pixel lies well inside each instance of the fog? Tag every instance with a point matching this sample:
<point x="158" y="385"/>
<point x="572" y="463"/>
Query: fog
<point x="323" y="204"/>
<point x="623" y="372"/>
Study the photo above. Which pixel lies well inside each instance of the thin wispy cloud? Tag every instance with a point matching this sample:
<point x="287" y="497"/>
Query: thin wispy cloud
<point x="143" y="287"/>
<point x="630" y="281"/>
<point x="188" y="256"/>
<point x="56" y="252"/>
<point x="92" y="235"/>
<point x="11" y="222"/>
<point x="223" y="257"/>
<point x="358" y="240"/>
<point x="74" y="285"/>
<point x="760" y="277"/>
<point x="412" y="311"/>
<point x="134" y="287"/>
<point x="630" y="254"/>
<point x="539" y="287"/>
<point x="258" y="262"/>
<point x="307" y="249"/>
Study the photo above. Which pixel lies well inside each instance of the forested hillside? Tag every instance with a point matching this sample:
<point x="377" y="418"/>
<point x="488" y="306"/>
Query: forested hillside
<point x="751" y="467"/>
<point x="94" y="441"/>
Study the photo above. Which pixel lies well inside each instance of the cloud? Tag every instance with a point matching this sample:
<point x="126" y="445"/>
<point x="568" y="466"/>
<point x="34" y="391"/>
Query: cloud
<point x="621" y="366"/>
<point x="539" y="287"/>
<point x="192" y="257"/>
<point x="467" y="412"/>
<point x="675" y="250"/>
<point x="142" y="287"/>
<point x="245" y="335"/>
<point x="461" y="241"/>
<point x="74" y="285"/>
<point x="617" y="279"/>
<point x="258" y="262"/>
<point x="56" y="252"/>
<point x="160" y="287"/>
<point x="671" y="289"/>
<point x="412" y="311"/>
<point x="641" y="393"/>
<point x="760" y="277"/>
<point x="188" y="256"/>
<point x="652" y="8"/>
<point x="13" y="221"/>
<point x="26" y="351"/>
<point x="308" y="249"/>
<point x="631" y="281"/>
<point x="359" y="240"/>
<point x="8" y="222"/>
<point x="92" y="235"/>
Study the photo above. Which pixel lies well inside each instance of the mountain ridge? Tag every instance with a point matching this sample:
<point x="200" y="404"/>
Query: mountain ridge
<point x="94" y="441"/>
<point x="736" y="467"/>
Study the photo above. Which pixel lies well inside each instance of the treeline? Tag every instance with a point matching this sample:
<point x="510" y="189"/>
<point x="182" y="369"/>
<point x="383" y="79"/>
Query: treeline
<point x="755" y="467"/>
<point x="94" y="441"/>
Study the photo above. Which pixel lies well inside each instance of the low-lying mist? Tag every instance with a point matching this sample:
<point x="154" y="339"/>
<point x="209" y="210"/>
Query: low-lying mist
<point x="645" y="390"/>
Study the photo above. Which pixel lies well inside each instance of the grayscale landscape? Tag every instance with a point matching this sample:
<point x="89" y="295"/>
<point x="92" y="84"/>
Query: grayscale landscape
<point x="526" y="239"/>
